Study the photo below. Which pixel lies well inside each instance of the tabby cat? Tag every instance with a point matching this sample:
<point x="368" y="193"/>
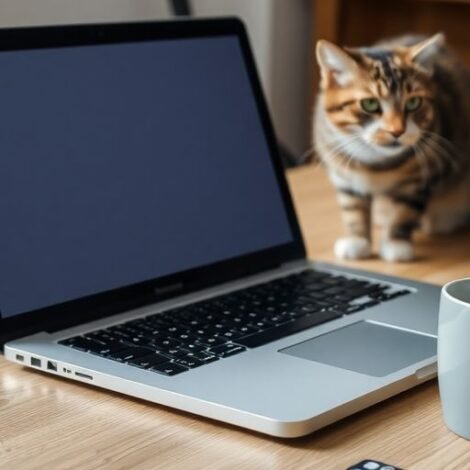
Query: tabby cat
<point x="392" y="127"/>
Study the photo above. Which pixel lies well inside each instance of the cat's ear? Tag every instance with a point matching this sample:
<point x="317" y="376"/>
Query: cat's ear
<point x="336" y="65"/>
<point x="424" y="52"/>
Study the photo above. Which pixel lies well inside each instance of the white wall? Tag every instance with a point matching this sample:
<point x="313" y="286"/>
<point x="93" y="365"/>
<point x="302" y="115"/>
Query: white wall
<point x="41" y="12"/>
<point x="257" y="16"/>
<point x="278" y="30"/>
<point x="290" y="68"/>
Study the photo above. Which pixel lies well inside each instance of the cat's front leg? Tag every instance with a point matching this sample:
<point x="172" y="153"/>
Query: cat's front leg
<point x="355" y="212"/>
<point x="400" y="215"/>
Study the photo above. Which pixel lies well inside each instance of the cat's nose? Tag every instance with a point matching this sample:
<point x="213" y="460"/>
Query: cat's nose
<point x="397" y="132"/>
<point x="395" y="126"/>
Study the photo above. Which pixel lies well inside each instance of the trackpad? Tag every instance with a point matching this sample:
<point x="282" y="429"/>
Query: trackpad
<point x="366" y="348"/>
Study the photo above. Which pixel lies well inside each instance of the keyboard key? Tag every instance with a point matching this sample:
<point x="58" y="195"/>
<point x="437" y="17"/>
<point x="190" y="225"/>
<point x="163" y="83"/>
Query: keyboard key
<point x="169" y="343"/>
<point x="111" y="347"/>
<point x="148" y="361"/>
<point x="399" y="294"/>
<point x="364" y="301"/>
<point x="352" y="309"/>
<point x="334" y="290"/>
<point x="189" y="362"/>
<point x="204" y="357"/>
<point x="310" y="308"/>
<point x="230" y="335"/>
<point x="175" y="354"/>
<point x="245" y="330"/>
<point x="318" y="295"/>
<point x="137" y="340"/>
<point x="171" y="351"/>
<point x="212" y="341"/>
<point x="333" y="280"/>
<point x="101" y="336"/>
<point x="126" y="355"/>
<point x="90" y="345"/>
<point x="227" y="350"/>
<point x="168" y="368"/>
<point x="186" y="338"/>
<point x="192" y="348"/>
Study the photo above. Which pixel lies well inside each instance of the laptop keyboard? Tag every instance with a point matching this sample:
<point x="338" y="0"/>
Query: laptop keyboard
<point x="183" y="338"/>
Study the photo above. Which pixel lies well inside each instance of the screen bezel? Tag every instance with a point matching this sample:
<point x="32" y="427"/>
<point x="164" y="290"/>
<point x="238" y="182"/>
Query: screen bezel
<point x="107" y="303"/>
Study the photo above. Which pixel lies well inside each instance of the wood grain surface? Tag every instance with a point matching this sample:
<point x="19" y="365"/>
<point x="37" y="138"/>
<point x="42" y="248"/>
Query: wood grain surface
<point x="52" y="423"/>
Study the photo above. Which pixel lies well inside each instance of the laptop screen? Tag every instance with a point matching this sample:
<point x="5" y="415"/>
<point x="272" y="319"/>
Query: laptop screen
<point x="121" y="163"/>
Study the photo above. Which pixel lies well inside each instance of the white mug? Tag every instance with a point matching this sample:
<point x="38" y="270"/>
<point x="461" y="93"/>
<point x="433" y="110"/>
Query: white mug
<point x="453" y="356"/>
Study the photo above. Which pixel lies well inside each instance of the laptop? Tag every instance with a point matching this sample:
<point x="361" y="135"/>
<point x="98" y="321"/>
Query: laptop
<point x="150" y="244"/>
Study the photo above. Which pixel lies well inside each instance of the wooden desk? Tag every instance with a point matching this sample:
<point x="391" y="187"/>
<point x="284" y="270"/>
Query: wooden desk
<point x="50" y="423"/>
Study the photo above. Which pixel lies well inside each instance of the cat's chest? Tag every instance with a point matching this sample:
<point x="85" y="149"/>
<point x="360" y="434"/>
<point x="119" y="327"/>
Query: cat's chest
<point x="362" y="182"/>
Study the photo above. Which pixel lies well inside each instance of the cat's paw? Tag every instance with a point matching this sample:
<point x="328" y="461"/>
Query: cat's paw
<point x="352" y="248"/>
<point x="397" y="250"/>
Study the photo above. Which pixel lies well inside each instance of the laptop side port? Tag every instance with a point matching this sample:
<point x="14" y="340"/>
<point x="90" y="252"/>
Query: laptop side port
<point x="19" y="358"/>
<point x="52" y="366"/>
<point x="35" y="362"/>
<point x="83" y="376"/>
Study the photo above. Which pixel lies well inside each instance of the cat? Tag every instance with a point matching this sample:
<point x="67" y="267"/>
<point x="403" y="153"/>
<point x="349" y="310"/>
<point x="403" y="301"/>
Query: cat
<point x="392" y="127"/>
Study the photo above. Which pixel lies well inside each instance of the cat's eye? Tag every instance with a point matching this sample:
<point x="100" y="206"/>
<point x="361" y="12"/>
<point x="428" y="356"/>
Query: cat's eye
<point x="413" y="103"/>
<point x="370" y="105"/>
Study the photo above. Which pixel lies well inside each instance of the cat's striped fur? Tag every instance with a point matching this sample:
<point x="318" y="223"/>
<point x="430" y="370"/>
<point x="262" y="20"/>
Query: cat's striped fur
<point x="410" y="156"/>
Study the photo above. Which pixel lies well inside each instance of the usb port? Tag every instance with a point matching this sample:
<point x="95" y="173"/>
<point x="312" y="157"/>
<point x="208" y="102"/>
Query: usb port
<point x="52" y="366"/>
<point x="83" y="376"/>
<point x="35" y="362"/>
<point x="19" y="358"/>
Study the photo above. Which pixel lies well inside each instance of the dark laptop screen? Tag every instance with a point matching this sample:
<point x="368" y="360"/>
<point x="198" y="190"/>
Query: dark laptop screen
<point x="121" y="163"/>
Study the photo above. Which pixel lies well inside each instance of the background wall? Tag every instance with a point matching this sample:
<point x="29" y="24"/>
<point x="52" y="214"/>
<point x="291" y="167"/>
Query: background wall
<point x="280" y="34"/>
<point x="278" y="29"/>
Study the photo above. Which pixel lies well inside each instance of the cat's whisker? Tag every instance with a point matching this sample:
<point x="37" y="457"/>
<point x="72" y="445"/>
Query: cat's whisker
<point x="349" y="159"/>
<point x="428" y="160"/>
<point x="444" y="152"/>
<point x="436" y="150"/>
<point x="338" y="150"/>
<point x="432" y="156"/>
<point x="444" y="158"/>
<point x="440" y="138"/>
<point x="308" y="153"/>
<point x="450" y="148"/>
<point x="451" y="152"/>
<point x="340" y="146"/>
<point x="423" y="165"/>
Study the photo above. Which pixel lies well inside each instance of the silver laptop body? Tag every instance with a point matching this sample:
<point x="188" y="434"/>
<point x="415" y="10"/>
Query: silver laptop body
<point x="287" y="386"/>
